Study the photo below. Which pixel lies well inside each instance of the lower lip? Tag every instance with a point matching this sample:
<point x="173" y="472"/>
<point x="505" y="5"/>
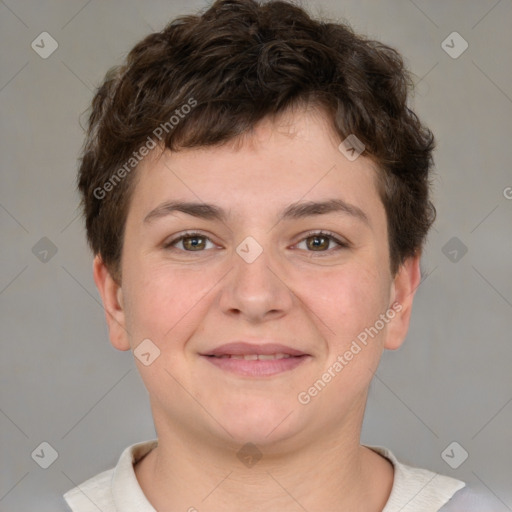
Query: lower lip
<point x="257" y="368"/>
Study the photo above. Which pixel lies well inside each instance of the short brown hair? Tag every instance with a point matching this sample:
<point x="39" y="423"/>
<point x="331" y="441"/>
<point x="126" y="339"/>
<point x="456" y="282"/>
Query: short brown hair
<point x="237" y="63"/>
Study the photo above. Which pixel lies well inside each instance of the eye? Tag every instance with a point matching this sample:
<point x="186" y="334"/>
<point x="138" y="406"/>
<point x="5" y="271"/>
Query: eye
<point x="191" y="242"/>
<point x="319" y="241"/>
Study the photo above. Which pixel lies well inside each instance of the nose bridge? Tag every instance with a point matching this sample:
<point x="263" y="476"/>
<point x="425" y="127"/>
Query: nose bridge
<point x="253" y="265"/>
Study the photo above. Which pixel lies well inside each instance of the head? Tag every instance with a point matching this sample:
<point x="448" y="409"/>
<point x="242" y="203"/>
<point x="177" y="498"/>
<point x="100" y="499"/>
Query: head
<point x="243" y="108"/>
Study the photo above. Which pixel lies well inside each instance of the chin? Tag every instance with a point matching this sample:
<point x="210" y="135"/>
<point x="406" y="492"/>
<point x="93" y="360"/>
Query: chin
<point x="260" y="423"/>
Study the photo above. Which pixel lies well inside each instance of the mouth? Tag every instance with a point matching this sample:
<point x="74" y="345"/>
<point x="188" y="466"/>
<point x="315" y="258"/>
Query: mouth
<point x="254" y="357"/>
<point x="245" y="359"/>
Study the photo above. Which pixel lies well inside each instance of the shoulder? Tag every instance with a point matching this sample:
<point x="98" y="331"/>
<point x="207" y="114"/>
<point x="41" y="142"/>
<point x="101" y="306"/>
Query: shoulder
<point x="416" y="489"/>
<point x="93" y="494"/>
<point x="114" y="489"/>
<point x="471" y="500"/>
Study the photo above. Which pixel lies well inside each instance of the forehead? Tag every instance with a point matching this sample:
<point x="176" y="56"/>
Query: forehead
<point x="280" y="162"/>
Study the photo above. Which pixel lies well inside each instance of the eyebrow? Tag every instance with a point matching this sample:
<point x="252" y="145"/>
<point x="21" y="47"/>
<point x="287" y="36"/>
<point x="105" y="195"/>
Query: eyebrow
<point x="292" y="212"/>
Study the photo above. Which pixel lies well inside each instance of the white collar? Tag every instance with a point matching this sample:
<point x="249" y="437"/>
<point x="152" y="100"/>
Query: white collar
<point x="126" y="491"/>
<point x="414" y="489"/>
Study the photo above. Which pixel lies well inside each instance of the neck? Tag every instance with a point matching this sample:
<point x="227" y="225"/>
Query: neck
<point x="334" y="472"/>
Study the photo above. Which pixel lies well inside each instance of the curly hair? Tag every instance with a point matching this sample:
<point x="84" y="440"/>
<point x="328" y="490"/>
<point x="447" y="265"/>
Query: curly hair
<point x="229" y="67"/>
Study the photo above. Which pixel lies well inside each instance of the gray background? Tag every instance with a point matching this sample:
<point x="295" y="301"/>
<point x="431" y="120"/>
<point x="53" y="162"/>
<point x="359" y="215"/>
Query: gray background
<point x="61" y="380"/>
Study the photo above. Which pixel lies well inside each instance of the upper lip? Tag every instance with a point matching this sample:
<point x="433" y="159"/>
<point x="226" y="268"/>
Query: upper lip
<point x="238" y="348"/>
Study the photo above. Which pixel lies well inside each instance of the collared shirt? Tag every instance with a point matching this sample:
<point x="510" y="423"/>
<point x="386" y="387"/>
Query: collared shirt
<point x="414" y="489"/>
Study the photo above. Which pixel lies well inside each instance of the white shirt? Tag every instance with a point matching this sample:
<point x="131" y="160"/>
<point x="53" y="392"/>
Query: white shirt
<point x="414" y="489"/>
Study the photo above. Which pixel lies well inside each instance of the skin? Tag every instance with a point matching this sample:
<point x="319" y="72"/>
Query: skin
<point x="316" y="300"/>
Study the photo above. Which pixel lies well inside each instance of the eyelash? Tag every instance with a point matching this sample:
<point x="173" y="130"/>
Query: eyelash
<point x="192" y="234"/>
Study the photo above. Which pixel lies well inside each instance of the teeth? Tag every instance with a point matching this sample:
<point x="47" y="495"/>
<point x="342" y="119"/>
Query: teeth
<point x="265" y="357"/>
<point x="261" y="357"/>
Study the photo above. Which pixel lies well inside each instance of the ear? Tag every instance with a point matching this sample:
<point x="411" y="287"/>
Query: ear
<point x="403" y="289"/>
<point x="112" y="297"/>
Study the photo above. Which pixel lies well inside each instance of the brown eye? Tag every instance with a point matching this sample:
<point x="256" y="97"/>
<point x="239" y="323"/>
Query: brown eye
<point x="191" y="242"/>
<point x="319" y="242"/>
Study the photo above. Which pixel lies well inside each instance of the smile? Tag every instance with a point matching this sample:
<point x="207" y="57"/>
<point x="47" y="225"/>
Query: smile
<point x="257" y="365"/>
<point x="254" y="357"/>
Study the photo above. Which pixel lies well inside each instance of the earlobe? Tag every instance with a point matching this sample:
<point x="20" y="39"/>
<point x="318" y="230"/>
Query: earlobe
<point x="112" y="297"/>
<point x="404" y="285"/>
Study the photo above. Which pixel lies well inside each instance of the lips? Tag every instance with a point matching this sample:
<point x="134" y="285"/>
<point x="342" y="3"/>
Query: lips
<point x="250" y="360"/>
<point x="250" y="351"/>
<point x="256" y="357"/>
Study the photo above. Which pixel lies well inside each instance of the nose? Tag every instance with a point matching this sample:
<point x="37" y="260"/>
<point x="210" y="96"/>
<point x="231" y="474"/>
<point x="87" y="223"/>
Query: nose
<point x="256" y="288"/>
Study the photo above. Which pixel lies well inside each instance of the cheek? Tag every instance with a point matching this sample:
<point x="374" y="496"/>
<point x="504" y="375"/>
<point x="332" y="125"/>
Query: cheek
<point x="348" y="304"/>
<point x="165" y="305"/>
<point x="346" y="300"/>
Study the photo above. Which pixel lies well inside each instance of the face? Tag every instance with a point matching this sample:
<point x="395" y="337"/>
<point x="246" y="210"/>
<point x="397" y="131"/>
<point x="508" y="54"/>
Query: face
<point x="259" y="265"/>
